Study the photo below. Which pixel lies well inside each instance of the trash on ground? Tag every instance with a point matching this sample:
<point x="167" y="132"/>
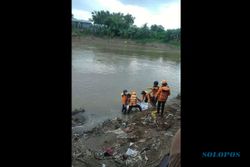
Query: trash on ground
<point x="132" y="153"/>
<point x="108" y="151"/>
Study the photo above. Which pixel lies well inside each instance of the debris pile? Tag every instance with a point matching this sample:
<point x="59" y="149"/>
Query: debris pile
<point x="141" y="141"/>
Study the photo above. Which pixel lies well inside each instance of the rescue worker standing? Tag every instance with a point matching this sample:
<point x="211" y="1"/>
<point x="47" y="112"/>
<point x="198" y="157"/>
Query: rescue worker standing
<point x="133" y="102"/>
<point x="162" y="96"/>
<point x="124" y="101"/>
<point x="153" y="92"/>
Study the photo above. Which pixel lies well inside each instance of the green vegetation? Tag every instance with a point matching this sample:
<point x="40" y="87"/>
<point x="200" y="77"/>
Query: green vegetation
<point x="118" y="25"/>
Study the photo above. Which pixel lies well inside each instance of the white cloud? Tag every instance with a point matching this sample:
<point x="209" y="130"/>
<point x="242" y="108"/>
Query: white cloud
<point x="168" y="15"/>
<point x="81" y="14"/>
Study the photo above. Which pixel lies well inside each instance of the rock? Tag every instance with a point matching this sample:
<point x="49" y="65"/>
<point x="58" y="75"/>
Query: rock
<point x="142" y="140"/>
<point x="124" y="156"/>
<point x="169" y="134"/>
<point x="117" y="126"/>
<point x="127" y="130"/>
<point x="132" y="138"/>
<point x="99" y="155"/>
<point x="88" y="153"/>
<point x="124" y="125"/>
<point x="76" y="111"/>
<point x="117" y="131"/>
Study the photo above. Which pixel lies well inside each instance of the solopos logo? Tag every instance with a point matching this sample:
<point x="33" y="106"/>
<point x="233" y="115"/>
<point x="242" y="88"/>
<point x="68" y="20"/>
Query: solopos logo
<point x="220" y="154"/>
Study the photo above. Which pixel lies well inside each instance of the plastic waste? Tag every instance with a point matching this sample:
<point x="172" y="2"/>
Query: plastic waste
<point x="119" y="132"/>
<point x="144" y="106"/>
<point x="131" y="152"/>
<point x="153" y="114"/>
<point x="108" y="151"/>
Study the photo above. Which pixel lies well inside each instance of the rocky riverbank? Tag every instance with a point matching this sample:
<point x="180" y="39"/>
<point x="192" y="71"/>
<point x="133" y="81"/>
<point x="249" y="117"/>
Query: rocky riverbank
<point x="140" y="141"/>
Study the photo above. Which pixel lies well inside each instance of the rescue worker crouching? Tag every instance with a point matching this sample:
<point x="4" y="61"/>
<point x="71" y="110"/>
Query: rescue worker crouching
<point x="145" y="97"/>
<point x="133" y="102"/>
<point x="162" y="96"/>
<point x="124" y="99"/>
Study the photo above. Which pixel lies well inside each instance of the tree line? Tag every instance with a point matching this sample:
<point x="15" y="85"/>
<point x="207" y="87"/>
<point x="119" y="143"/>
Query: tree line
<point x="120" y="25"/>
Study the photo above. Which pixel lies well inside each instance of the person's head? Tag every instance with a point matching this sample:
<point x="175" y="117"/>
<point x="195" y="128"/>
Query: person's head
<point x="125" y="91"/>
<point x="128" y="95"/>
<point x="143" y="92"/>
<point x="164" y="83"/>
<point x="156" y="83"/>
<point x="133" y="93"/>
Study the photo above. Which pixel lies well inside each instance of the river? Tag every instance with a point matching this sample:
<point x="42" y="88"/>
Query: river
<point x="100" y="75"/>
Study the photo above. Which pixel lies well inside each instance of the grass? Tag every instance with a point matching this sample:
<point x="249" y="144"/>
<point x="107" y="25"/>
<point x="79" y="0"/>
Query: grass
<point x="172" y="43"/>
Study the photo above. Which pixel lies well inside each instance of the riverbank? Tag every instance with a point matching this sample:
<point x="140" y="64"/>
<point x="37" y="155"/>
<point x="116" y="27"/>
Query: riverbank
<point x="124" y="42"/>
<point x="139" y="141"/>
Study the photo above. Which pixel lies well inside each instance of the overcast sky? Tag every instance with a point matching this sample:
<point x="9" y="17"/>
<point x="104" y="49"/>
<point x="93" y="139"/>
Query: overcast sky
<point x="160" y="12"/>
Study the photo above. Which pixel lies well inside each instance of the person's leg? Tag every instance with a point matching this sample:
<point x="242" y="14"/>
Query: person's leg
<point x="158" y="107"/>
<point x="162" y="107"/>
<point x="153" y="101"/>
<point x="156" y="100"/>
<point x="123" y="108"/>
<point x="129" y="109"/>
<point x="139" y="107"/>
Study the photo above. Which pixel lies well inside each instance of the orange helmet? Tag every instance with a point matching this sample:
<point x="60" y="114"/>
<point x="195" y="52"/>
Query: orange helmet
<point x="163" y="82"/>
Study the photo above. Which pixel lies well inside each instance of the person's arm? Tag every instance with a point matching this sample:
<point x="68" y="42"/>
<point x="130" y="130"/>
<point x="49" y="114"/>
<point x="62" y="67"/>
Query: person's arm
<point x="128" y="100"/>
<point x="151" y="90"/>
<point x="148" y="96"/>
<point x="175" y="151"/>
<point x="176" y="143"/>
<point x="157" y="93"/>
<point x="143" y="97"/>
<point x="139" y="99"/>
<point x="169" y="90"/>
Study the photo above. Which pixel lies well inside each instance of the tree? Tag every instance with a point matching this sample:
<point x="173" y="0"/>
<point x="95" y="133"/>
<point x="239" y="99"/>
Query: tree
<point x="117" y="23"/>
<point x="157" y="28"/>
<point x="120" y="25"/>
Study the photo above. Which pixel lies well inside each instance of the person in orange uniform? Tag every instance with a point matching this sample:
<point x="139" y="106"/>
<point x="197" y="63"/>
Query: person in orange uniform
<point x="124" y="101"/>
<point x="153" y="92"/>
<point x="162" y="96"/>
<point x="133" y="102"/>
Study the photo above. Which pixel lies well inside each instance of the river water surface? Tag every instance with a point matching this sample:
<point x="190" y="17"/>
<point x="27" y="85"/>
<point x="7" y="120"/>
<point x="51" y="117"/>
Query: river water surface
<point x="99" y="76"/>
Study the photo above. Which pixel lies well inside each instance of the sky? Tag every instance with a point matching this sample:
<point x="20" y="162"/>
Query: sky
<point x="160" y="12"/>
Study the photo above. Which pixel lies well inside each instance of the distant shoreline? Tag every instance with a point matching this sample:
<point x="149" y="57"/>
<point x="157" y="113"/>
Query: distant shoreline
<point x="124" y="43"/>
<point x="127" y="47"/>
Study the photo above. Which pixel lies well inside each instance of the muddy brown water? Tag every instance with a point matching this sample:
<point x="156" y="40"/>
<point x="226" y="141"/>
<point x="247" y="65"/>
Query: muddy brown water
<point x="100" y="74"/>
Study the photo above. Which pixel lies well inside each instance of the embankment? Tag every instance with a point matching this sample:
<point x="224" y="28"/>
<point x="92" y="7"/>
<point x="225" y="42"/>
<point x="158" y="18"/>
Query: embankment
<point x="140" y="141"/>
